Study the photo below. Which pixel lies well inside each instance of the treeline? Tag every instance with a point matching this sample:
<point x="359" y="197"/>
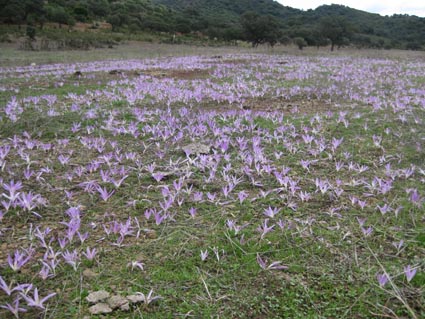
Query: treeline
<point x="128" y="15"/>
<point x="255" y="21"/>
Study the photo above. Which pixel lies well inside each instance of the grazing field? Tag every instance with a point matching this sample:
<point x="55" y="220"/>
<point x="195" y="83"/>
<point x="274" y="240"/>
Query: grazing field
<point x="224" y="184"/>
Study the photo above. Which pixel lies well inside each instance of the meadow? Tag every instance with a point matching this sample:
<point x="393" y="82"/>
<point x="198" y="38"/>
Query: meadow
<point x="168" y="182"/>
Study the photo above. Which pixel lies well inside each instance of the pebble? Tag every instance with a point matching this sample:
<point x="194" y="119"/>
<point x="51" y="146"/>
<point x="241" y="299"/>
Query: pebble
<point x="90" y="274"/>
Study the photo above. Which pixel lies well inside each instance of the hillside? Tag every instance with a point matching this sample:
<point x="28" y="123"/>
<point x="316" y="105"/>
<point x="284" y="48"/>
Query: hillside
<point x="221" y="19"/>
<point x="368" y="29"/>
<point x="230" y="10"/>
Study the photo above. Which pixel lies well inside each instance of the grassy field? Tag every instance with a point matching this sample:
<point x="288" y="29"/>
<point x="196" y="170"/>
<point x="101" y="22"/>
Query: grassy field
<point x="228" y="182"/>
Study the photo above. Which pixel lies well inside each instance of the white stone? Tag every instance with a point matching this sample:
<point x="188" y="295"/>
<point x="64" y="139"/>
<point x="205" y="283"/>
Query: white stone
<point x="117" y="301"/>
<point x="97" y="296"/>
<point x="135" y="298"/>
<point x="196" y="149"/>
<point x="100" y="308"/>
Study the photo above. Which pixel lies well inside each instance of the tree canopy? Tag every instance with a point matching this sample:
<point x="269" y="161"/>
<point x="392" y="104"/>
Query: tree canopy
<point x="259" y="29"/>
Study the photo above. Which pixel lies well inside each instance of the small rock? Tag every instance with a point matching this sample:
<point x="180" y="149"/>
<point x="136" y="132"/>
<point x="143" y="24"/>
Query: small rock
<point x="97" y="296"/>
<point x="151" y="234"/>
<point x="100" y="308"/>
<point x="125" y="307"/>
<point x="135" y="298"/>
<point x="113" y="72"/>
<point x="117" y="301"/>
<point x="196" y="149"/>
<point x="90" y="274"/>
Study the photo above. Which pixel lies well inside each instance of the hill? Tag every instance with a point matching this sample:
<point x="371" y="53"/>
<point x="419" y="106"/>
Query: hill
<point x="367" y="29"/>
<point x="222" y="19"/>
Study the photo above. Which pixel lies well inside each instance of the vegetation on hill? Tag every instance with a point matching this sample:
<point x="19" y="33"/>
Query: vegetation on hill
<point x="226" y="20"/>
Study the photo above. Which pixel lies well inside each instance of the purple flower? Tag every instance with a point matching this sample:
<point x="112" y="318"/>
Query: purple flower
<point x="276" y="265"/>
<point x="197" y="196"/>
<point x="13" y="189"/>
<point x="264" y="228"/>
<point x="149" y="298"/>
<point x="211" y="196"/>
<point x="19" y="259"/>
<point x="192" y="212"/>
<point x="384" y="209"/>
<point x="135" y="264"/>
<point x="398" y="245"/>
<point x="415" y="198"/>
<point x="64" y="159"/>
<point x="158" y="176"/>
<point x="63" y="242"/>
<point x="14" y="309"/>
<point x="90" y="254"/>
<point x="71" y="258"/>
<point x="242" y="195"/>
<point x="361" y="221"/>
<point x="35" y="301"/>
<point x="8" y="288"/>
<point x="159" y="218"/>
<point x="409" y="272"/>
<point x="382" y="279"/>
<point x="117" y="183"/>
<point x="104" y="194"/>
<point x="46" y="271"/>
<point x="367" y="231"/>
<point x="204" y="255"/>
<point x="271" y="212"/>
<point x="322" y="185"/>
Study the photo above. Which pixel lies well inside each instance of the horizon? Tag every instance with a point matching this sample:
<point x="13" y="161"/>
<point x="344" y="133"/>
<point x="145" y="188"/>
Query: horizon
<point x="391" y="7"/>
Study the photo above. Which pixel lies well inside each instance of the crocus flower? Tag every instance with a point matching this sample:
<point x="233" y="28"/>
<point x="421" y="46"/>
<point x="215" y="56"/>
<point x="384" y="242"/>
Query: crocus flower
<point x="409" y="272"/>
<point x="382" y="279"/>
<point x="35" y="301"/>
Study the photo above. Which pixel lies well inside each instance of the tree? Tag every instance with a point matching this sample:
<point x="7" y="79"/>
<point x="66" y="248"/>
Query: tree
<point x="12" y="11"/>
<point x="30" y="31"/>
<point x="336" y="29"/>
<point x="59" y="15"/>
<point x="259" y="29"/>
<point x="300" y="43"/>
<point x="98" y="8"/>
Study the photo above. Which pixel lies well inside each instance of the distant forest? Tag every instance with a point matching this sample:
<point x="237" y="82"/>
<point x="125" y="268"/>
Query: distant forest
<point x="255" y="21"/>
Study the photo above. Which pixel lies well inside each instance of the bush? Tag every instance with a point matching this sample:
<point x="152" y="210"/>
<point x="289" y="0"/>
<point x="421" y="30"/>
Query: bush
<point x="30" y="31"/>
<point x="300" y="43"/>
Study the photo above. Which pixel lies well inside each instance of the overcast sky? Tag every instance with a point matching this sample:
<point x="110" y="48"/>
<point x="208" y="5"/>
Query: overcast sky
<point x="386" y="7"/>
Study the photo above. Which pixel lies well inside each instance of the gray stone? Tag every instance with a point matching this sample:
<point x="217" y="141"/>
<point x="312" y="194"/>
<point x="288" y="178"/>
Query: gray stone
<point x="97" y="296"/>
<point x="125" y="307"/>
<point x="100" y="308"/>
<point x="117" y="301"/>
<point x="89" y="274"/>
<point x="136" y="298"/>
<point x="196" y="149"/>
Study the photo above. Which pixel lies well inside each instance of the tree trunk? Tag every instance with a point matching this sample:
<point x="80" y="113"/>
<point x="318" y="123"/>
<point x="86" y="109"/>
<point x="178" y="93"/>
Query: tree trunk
<point x="332" y="46"/>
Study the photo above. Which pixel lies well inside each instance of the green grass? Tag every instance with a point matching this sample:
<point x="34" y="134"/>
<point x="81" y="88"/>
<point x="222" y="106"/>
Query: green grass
<point x="332" y="265"/>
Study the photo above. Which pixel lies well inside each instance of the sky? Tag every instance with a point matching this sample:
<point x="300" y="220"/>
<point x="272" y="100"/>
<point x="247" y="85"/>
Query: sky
<point x="388" y="7"/>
